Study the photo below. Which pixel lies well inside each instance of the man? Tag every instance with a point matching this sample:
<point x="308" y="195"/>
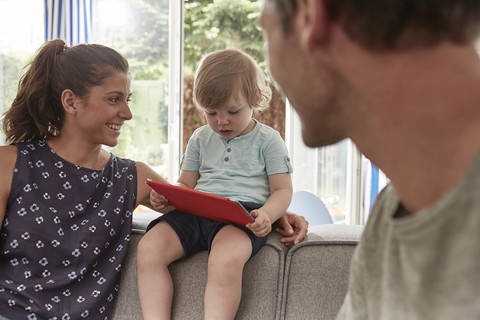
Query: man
<point x="401" y="78"/>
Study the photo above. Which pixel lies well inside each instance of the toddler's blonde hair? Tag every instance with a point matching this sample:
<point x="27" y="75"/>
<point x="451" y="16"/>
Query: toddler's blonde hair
<point x="224" y="74"/>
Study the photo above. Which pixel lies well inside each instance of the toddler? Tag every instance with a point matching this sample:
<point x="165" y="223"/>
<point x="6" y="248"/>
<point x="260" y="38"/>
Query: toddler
<point x="234" y="156"/>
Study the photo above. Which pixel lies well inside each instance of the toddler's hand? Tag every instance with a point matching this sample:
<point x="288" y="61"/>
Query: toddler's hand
<point x="157" y="201"/>
<point x="262" y="224"/>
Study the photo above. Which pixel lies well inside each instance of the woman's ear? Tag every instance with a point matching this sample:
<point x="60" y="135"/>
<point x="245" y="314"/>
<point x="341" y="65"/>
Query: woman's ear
<point x="313" y="23"/>
<point x="68" y="101"/>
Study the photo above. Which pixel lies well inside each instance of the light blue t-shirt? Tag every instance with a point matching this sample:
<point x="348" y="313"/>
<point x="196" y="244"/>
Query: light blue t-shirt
<point x="237" y="168"/>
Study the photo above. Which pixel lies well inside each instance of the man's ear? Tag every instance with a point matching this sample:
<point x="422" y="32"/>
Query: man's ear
<point x="68" y="101"/>
<point x="313" y="23"/>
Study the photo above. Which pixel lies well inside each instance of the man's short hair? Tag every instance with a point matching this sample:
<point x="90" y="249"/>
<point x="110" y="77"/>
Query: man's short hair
<point x="385" y="25"/>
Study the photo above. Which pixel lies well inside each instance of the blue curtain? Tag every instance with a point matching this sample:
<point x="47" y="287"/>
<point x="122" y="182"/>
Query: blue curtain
<point x="374" y="183"/>
<point x="70" y="20"/>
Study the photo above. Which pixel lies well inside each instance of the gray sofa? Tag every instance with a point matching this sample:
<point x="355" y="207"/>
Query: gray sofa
<point x="305" y="281"/>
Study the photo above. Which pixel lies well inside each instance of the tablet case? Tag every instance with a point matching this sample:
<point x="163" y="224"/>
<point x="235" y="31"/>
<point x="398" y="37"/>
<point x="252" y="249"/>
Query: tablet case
<point x="203" y="204"/>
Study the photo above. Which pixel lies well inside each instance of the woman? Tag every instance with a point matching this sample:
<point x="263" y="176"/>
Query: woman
<point x="65" y="202"/>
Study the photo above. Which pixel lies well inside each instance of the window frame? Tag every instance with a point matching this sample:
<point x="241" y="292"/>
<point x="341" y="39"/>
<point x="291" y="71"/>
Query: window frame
<point x="175" y="109"/>
<point x="305" y="167"/>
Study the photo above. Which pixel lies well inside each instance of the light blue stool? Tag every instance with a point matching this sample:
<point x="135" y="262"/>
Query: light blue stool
<point x="309" y="205"/>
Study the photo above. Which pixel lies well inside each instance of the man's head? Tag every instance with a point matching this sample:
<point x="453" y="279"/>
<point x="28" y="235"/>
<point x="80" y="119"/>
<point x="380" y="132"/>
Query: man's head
<point x="330" y="57"/>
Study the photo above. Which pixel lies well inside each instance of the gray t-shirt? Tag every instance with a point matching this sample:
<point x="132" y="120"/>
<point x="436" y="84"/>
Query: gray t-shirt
<point x="420" y="266"/>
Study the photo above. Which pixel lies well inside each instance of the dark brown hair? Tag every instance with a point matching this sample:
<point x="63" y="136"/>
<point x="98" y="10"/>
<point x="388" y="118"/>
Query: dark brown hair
<point x="37" y="111"/>
<point x="386" y="25"/>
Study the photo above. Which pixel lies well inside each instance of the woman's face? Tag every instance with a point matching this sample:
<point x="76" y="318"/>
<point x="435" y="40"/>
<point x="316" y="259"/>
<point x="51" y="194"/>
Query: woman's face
<point x="102" y="113"/>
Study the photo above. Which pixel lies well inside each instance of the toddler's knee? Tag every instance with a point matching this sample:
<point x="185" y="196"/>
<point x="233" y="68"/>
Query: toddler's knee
<point x="149" y="252"/>
<point x="158" y="248"/>
<point x="144" y="246"/>
<point x="229" y="261"/>
<point x="143" y="249"/>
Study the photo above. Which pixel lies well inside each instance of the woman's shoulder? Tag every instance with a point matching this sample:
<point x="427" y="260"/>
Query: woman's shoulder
<point x="122" y="160"/>
<point x="8" y="156"/>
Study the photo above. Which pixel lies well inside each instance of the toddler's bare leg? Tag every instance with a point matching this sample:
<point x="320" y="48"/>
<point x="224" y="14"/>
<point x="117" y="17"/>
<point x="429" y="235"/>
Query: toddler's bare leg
<point x="231" y="249"/>
<point x="158" y="248"/>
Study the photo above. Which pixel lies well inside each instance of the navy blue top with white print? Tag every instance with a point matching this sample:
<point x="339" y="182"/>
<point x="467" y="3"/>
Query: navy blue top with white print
<point x="65" y="235"/>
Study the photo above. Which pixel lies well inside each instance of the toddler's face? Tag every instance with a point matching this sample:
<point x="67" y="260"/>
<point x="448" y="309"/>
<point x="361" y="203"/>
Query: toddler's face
<point x="232" y="120"/>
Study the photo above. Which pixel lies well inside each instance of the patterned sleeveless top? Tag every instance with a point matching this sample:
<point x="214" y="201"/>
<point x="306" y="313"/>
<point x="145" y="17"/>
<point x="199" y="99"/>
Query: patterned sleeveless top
<point x="65" y="234"/>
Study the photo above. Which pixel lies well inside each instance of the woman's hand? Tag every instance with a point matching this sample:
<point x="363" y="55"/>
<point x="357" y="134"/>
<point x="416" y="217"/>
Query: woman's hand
<point x="292" y="227"/>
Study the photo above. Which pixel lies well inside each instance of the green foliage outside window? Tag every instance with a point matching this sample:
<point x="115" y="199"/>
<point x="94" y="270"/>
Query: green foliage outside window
<point x="217" y="24"/>
<point x="142" y="36"/>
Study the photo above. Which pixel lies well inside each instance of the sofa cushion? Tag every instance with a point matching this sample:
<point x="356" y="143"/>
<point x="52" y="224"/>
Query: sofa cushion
<point x="316" y="272"/>
<point x="262" y="282"/>
<point x="261" y="287"/>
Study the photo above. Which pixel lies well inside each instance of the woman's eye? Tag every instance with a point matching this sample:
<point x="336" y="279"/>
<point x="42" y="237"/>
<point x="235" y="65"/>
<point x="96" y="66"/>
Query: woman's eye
<point x="233" y="112"/>
<point x="114" y="99"/>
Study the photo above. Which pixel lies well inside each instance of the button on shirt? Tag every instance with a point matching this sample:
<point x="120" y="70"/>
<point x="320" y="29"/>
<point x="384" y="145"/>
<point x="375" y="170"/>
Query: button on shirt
<point x="237" y="168"/>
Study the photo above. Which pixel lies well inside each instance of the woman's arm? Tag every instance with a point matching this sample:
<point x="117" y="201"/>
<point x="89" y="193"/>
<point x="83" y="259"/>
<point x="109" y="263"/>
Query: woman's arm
<point x="8" y="157"/>
<point x="145" y="172"/>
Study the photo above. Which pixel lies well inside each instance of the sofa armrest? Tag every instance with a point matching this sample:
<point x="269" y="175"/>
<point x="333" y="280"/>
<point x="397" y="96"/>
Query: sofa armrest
<point x="316" y="272"/>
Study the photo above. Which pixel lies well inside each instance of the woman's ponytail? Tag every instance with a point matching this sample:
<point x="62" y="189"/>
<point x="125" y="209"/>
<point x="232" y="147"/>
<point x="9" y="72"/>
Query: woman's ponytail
<point x="36" y="112"/>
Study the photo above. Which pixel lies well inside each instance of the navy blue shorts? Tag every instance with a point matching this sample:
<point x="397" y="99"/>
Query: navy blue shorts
<point x="197" y="233"/>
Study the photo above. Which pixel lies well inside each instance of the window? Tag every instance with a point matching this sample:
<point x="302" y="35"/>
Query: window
<point x="140" y="30"/>
<point x="21" y="33"/>
<point x="218" y="24"/>
<point x="334" y="172"/>
<point x="344" y="179"/>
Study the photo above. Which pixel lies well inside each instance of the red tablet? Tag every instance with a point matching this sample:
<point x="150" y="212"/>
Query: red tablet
<point x="203" y="204"/>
